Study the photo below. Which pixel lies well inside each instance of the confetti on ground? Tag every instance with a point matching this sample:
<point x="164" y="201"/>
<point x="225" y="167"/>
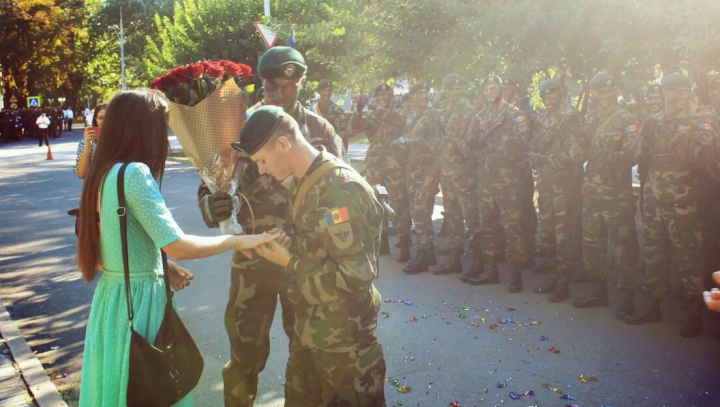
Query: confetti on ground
<point x="555" y="351"/>
<point x="544" y="338"/>
<point x="404" y="389"/>
<point x="584" y="379"/>
<point x="555" y="389"/>
<point x="413" y="319"/>
<point x="385" y="315"/>
<point x="493" y="326"/>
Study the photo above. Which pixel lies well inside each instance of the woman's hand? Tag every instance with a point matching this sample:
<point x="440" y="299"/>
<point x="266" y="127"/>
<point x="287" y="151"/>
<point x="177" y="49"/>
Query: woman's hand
<point x="179" y="276"/>
<point x="244" y="243"/>
<point x="282" y="238"/>
<point x="275" y="253"/>
<point x="712" y="298"/>
<point x="90" y="135"/>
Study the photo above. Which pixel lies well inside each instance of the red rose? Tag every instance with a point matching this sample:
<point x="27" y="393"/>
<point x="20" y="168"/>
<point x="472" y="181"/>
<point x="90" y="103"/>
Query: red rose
<point x="196" y="70"/>
<point x="180" y="74"/>
<point x="214" y="69"/>
<point x="159" y="83"/>
<point x="246" y="70"/>
<point x="231" y="68"/>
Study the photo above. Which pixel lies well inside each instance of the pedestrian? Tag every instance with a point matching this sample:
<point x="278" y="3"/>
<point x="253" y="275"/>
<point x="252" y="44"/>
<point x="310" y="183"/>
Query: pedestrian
<point x="69" y="116"/>
<point x="91" y="135"/>
<point x="88" y="116"/>
<point x="335" y="357"/>
<point x="256" y="284"/>
<point x="150" y="228"/>
<point x="43" y="124"/>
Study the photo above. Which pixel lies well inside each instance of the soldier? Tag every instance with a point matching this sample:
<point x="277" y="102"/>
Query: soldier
<point x="498" y="137"/>
<point x="612" y="147"/>
<point x="558" y="135"/>
<point x="674" y="143"/>
<point x="654" y="99"/>
<point x="454" y="122"/>
<point x="383" y="124"/>
<point x="423" y="139"/>
<point x="256" y="283"/>
<point x="333" y="113"/>
<point x="335" y="357"/>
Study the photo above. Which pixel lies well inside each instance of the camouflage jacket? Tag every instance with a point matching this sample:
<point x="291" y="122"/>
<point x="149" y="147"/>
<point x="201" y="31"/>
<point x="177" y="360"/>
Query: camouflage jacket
<point x="337" y="238"/>
<point x="334" y="114"/>
<point x="498" y="143"/>
<point x="674" y="148"/>
<point x="556" y="151"/>
<point x="382" y="126"/>
<point x="424" y="139"/>
<point x="454" y="122"/>
<point x="608" y="175"/>
<point x="267" y="197"/>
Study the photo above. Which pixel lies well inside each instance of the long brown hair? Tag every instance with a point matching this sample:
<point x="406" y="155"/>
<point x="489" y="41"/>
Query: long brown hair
<point x="135" y="130"/>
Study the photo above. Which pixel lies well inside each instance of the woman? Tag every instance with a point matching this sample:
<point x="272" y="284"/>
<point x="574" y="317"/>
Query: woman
<point x="84" y="155"/>
<point x="135" y="132"/>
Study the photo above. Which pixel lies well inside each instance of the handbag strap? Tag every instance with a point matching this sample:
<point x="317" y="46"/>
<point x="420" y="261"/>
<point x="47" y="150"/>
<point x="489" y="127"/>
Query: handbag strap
<point x="122" y="215"/>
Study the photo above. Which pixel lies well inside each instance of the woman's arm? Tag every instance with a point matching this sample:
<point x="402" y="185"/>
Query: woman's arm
<point x="198" y="247"/>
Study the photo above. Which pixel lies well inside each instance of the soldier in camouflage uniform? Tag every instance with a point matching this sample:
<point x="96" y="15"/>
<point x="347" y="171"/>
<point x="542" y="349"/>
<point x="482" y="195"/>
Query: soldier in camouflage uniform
<point x="612" y="147"/>
<point x="498" y="137"/>
<point x="256" y="283"/>
<point x="335" y="357"/>
<point x="329" y="110"/>
<point x="423" y="140"/>
<point x="674" y="143"/>
<point x="558" y="134"/>
<point x="454" y="121"/>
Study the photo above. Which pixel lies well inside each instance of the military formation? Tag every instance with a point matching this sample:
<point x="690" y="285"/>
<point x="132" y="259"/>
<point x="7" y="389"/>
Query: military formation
<point x="16" y="124"/>
<point x="492" y="157"/>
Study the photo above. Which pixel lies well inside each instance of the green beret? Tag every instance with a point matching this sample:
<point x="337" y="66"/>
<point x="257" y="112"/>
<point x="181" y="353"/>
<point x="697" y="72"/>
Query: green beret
<point x="675" y="80"/>
<point x="653" y="89"/>
<point x="418" y="86"/>
<point x="404" y="98"/>
<point x="492" y="80"/>
<point x="602" y="80"/>
<point x="473" y="92"/>
<point x="509" y="82"/>
<point x="282" y="62"/>
<point x="452" y="80"/>
<point x="382" y="87"/>
<point x="549" y="85"/>
<point x="325" y="83"/>
<point x="258" y="129"/>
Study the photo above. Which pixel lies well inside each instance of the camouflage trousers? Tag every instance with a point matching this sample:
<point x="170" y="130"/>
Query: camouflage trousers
<point x="500" y="206"/>
<point x="320" y="378"/>
<point x="423" y="189"/>
<point x="709" y="213"/>
<point x="558" y="229"/>
<point x="248" y="316"/>
<point x="677" y="227"/>
<point x="614" y="219"/>
<point x="400" y="201"/>
<point x="460" y="206"/>
<point x="528" y="217"/>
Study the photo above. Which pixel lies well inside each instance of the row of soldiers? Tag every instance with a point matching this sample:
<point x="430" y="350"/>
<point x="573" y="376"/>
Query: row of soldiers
<point x="484" y="157"/>
<point x="16" y="124"/>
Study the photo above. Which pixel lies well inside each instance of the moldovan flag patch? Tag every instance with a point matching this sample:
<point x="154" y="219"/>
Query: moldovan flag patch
<point x="337" y="216"/>
<point x="519" y="119"/>
<point x="706" y="126"/>
<point x="630" y="129"/>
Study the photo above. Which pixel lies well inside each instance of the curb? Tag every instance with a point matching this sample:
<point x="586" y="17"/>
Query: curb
<point x="33" y="374"/>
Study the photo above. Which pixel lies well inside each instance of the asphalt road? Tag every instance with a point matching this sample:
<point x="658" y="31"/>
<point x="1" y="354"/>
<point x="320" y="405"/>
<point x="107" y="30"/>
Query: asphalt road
<point x="438" y="333"/>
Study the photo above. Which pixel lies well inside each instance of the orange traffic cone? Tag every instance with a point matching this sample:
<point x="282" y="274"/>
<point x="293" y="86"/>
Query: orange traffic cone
<point x="49" y="155"/>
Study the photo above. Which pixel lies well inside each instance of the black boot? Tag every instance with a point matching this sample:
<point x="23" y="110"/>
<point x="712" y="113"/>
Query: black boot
<point x="405" y="245"/>
<point x="443" y="229"/>
<point x="627" y="304"/>
<point x="431" y="258"/>
<point x="694" y="322"/>
<point x="444" y="251"/>
<point x="475" y="270"/>
<point x="418" y="264"/>
<point x="548" y="285"/>
<point x="452" y="265"/>
<point x="562" y="289"/>
<point x="597" y="297"/>
<point x="384" y="243"/>
<point x="516" y="283"/>
<point x="580" y="276"/>
<point x="548" y="266"/>
<point x="649" y="311"/>
<point x="488" y="276"/>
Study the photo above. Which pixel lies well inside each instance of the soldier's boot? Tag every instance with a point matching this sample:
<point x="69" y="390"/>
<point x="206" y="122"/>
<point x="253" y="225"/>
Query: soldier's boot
<point x="548" y="285"/>
<point x="384" y="243"/>
<point x="452" y="265"/>
<point x="516" y="282"/>
<point x="580" y="277"/>
<point x="488" y="276"/>
<point x="597" y="297"/>
<point x="443" y="228"/>
<point x="547" y="266"/>
<point x="444" y="251"/>
<point x="562" y="289"/>
<point x="627" y="304"/>
<point x="405" y="245"/>
<point x="431" y="257"/>
<point x="398" y="244"/>
<point x="649" y="312"/>
<point x="694" y="322"/>
<point x="475" y="270"/>
<point x="419" y="263"/>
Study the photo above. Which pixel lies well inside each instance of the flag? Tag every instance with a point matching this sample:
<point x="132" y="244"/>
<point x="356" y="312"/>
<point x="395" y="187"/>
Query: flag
<point x="291" y="41"/>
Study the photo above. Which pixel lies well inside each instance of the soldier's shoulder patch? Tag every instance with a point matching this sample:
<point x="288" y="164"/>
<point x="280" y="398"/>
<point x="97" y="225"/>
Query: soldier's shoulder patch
<point x="631" y="128"/>
<point x="519" y="119"/>
<point x="337" y="216"/>
<point x="342" y="235"/>
<point x="705" y="126"/>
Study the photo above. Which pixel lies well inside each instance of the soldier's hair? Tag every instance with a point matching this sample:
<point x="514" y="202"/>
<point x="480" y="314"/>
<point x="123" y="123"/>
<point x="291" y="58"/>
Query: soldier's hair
<point x="287" y="128"/>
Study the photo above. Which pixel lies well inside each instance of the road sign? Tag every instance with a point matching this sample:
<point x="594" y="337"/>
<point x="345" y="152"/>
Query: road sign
<point x="269" y="32"/>
<point x="33" y="101"/>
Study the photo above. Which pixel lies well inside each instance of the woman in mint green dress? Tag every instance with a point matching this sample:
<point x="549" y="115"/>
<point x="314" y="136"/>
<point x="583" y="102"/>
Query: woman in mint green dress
<point x="135" y="131"/>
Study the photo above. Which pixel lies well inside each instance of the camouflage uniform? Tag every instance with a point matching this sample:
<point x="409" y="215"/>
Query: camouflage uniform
<point x="709" y="199"/>
<point x="335" y="115"/>
<point x="335" y="358"/>
<point x="256" y="283"/>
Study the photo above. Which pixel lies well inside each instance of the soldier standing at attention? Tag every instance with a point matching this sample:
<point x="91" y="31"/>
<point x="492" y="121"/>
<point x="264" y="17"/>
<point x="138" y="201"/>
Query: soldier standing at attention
<point x="333" y="113"/>
<point x="558" y="135"/>
<point x="612" y="147"/>
<point x="674" y="143"/>
<point x="498" y="137"/>
<point x="335" y="357"/>
<point x="454" y="121"/>
<point x="255" y="284"/>
<point x="424" y="139"/>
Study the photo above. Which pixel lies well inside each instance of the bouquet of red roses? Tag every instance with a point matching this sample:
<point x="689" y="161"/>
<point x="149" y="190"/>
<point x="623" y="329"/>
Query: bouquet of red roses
<point x="208" y="101"/>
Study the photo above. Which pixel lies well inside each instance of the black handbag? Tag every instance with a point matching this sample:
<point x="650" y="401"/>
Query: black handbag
<point x="164" y="372"/>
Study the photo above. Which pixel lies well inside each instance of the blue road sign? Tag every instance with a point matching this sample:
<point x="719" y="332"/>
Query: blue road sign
<point x="33" y="101"/>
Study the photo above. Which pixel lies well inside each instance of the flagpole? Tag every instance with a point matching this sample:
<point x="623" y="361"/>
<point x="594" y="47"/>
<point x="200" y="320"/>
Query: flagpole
<point x="267" y="8"/>
<point x="122" y="51"/>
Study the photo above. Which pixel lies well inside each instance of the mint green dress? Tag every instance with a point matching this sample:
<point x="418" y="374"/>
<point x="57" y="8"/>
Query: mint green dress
<point x="107" y="342"/>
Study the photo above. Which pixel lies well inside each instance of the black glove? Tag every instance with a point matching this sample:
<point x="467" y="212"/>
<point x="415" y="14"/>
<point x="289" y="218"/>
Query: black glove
<point x="219" y="206"/>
